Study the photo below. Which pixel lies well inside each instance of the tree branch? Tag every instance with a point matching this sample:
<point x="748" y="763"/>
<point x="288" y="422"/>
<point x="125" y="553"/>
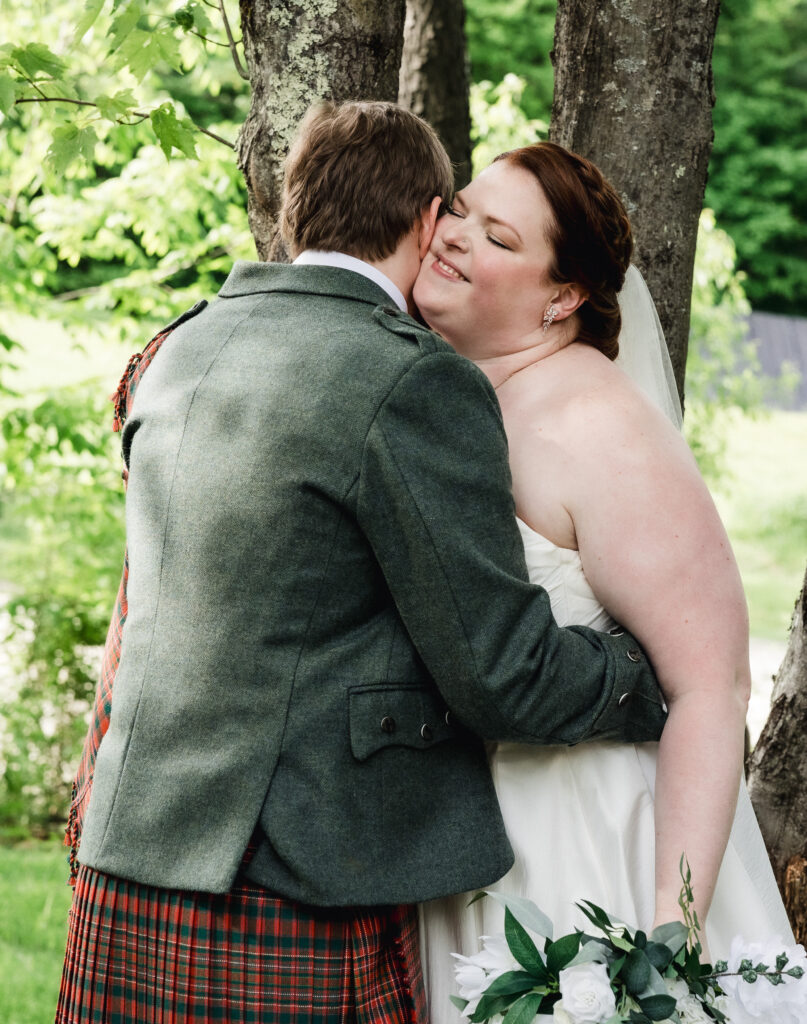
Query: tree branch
<point x="157" y="278"/>
<point x="142" y="114"/>
<point x="239" y="67"/>
<point x="207" y="39"/>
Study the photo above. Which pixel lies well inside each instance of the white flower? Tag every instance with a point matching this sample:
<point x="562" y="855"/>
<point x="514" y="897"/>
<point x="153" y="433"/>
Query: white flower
<point x="586" y="993"/>
<point x="560" y="1015"/>
<point x="677" y="988"/>
<point x="759" y="1001"/>
<point x="691" y="1011"/>
<point x="474" y="973"/>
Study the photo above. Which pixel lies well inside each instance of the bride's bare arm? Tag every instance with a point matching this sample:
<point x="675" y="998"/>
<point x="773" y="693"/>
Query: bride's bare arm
<point x="658" y="558"/>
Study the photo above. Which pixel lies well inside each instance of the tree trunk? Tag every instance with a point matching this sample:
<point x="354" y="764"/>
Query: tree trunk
<point x="633" y="93"/>
<point x="777" y="770"/>
<point x="434" y="79"/>
<point x="299" y="51"/>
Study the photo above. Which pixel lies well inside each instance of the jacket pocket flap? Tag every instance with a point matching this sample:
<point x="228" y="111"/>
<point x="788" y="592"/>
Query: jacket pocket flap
<point x="396" y="716"/>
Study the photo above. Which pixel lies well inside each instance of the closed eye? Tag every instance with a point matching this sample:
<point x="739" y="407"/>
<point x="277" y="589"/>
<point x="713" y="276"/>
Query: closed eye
<point x="453" y="211"/>
<point x="496" y="242"/>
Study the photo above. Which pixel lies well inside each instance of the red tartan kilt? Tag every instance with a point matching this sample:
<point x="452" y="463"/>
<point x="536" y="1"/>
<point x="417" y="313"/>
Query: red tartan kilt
<point x="141" y="955"/>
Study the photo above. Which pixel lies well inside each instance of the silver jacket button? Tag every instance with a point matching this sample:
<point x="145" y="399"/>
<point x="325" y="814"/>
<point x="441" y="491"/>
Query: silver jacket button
<point x="635" y="655"/>
<point x="388" y="724"/>
<point x="426" y="732"/>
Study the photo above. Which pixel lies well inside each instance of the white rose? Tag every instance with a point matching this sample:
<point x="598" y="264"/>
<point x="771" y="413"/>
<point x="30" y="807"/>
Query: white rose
<point x="586" y="993"/>
<point x="560" y="1015"/>
<point x="474" y="973"/>
<point x="677" y="988"/>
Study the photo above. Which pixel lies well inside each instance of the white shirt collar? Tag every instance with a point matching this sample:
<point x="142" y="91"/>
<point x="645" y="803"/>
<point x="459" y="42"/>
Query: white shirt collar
<point x="341" y="259"/>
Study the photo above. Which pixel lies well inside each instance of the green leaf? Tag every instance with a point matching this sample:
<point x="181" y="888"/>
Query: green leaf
<point x="171" y="132"/>
<point x="524" y="911"/>
<point x="592" y="951"/>
<point x="657" y="1007"/>
<point x="114" y="107"/>
<point x="458" y="1002"/>
<point x="92" y="8"/>
<point x="522" y="947"/>
<point x="7" y="93"/>
<point x="511" y="983"/>
<point x="35" y="58"/>
<point x="69" y="144"/>
<point x="524" y="1010"/>
<point x="636" y="971"/>
<point x="659" y="954"/>
<point x="672" y="934"/>
<point x="596" y="915"/>
<point x="562" y="952"/>
<point x="8" y="343"/>
<point x="490" y="1006"/>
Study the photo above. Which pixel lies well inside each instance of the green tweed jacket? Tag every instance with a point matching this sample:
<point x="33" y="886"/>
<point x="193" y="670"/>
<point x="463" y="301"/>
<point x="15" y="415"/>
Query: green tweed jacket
<point x="328" y="607"/>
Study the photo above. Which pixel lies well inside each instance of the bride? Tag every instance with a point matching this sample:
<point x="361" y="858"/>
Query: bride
<point x="523" y="277"/>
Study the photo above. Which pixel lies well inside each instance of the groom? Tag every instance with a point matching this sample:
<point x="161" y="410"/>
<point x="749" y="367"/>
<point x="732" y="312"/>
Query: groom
<point x="328" y="603"/>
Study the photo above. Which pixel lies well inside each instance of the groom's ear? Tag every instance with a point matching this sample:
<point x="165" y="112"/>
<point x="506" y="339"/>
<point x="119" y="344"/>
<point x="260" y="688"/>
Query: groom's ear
<point x="567" y="299"/>
<point x="427" y="224"/>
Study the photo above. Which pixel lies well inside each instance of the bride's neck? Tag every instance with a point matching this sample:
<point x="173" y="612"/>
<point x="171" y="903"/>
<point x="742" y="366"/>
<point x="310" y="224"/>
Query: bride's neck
<point x="501" y="367"/>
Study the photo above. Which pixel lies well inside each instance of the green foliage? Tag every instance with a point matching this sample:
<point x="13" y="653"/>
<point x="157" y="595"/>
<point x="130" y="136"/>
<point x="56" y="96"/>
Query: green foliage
<point x="498" y="121"/>
<point x="723" y="373"/>
<point x="514" y="37"/>
<point x="61" y="487"/>
<point x="759" y="161"/>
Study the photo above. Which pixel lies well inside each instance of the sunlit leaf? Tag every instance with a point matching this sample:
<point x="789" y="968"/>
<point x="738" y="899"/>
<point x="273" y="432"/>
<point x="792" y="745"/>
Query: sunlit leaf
<point x="114" y="107"/>
<point x="7" y="92"/>
<point x="171" y="132"/>
<point x="36" y="58"/>
<point x="92" y="8"/>
<point x="71" y="143"/>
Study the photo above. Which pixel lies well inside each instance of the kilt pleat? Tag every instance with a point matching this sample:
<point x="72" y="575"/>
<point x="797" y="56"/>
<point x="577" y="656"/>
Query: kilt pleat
<point x="141" y="955"/>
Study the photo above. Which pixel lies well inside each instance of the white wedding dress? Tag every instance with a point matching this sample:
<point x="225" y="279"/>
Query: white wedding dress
<point x="580" y="820"/>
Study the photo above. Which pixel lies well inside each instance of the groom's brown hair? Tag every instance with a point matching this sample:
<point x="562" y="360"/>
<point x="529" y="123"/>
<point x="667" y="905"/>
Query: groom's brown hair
<point x="358" y="176"/>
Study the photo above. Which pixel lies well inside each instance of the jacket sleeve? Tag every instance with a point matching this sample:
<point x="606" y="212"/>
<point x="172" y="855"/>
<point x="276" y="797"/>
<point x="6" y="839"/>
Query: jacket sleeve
<point x="435" y="502"/>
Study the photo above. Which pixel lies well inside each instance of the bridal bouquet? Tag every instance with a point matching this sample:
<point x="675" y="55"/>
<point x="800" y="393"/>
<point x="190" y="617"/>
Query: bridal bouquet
<point x="624" y="977"/>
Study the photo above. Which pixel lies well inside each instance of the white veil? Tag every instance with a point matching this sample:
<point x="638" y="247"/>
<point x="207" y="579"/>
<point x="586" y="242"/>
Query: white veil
<point x="643" y="351"/>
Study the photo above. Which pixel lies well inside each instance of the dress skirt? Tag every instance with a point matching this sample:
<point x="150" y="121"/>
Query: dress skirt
<point x="160" y="956"/>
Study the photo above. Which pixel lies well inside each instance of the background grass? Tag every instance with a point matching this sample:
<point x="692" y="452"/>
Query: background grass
<point x="33" y="926"/>
<point x="763" y="502"/>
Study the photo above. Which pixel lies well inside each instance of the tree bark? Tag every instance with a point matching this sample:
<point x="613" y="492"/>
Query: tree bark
<point x="776" y="772"/>
<point x="633" y="93"/>
<point x="435" y="76"/>
<point x="299" y="51"/>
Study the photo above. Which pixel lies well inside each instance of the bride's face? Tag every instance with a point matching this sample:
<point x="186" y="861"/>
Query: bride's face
<point x="483" y="285"/>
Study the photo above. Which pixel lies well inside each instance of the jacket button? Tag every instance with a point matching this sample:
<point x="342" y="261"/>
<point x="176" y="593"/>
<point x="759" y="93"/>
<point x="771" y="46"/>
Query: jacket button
<point x="635" y="655"/>
<point x="426" y="732"/>
<point x="616" y="631"/>
<point x="388" y="724"/>
<point x="624" y="699"/>
<point x="449" y="718"/>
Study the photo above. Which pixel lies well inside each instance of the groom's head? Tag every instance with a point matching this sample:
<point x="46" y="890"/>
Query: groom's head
<point x="359" y="177"/>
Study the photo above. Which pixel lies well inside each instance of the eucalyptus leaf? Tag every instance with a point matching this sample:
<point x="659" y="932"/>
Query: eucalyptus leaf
<point x="659" y="954"/>
<point x="658" y="1007"/>
<point x="459" y="1002"/>
<point x="672" y="934"/>
<point x="636" y="971"/>
<point x="591" y="952"/>
<point x="525" y="912"/>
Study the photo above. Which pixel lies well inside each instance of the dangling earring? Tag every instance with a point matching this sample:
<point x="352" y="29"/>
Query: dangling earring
<point x="549" y="316"/>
